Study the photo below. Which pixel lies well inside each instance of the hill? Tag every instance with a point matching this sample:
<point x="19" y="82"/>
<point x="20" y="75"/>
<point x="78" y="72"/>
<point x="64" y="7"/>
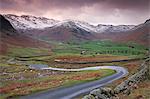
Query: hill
<point x="11" y="37"/>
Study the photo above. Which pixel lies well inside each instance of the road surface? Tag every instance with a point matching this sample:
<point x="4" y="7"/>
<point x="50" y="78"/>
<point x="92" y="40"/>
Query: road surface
<point x="72" y="92"/>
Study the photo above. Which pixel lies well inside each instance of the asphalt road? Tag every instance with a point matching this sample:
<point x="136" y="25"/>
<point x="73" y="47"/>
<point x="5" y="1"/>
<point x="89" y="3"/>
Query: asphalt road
<point x="72" y="92"/>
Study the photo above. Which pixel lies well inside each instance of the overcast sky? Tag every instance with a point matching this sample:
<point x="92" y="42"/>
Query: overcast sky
<point x="93" y="11"/>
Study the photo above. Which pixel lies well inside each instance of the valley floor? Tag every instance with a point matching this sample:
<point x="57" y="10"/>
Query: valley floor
<point x="18" y="79"/>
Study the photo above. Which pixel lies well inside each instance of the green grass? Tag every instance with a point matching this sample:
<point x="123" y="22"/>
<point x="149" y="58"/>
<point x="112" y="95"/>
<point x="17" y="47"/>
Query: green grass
<point x="91" y="48"/>
<point x="101" y="47"/>
<point x="21" y="51"/>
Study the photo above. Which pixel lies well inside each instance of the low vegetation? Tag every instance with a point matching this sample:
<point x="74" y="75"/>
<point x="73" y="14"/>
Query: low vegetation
<point x="17" y="79"/>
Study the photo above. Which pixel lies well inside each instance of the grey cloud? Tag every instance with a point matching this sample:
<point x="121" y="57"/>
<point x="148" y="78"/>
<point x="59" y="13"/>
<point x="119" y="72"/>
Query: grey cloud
<point x="100" y="10"/>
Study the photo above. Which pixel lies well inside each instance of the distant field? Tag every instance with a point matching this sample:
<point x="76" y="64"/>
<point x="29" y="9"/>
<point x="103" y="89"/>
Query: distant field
<point x="86" y="48"/>
<point x="100" y="47"/>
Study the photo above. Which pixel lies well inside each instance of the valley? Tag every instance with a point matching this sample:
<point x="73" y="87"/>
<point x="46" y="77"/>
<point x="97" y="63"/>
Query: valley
<point x="67" y="45"/>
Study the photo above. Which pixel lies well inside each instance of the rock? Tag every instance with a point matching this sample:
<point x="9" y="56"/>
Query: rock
<point x="115" y="97"/>
<point x="102" y="96"/>
<point x="112" y="92"/>
<point x="106" y="91"/>
<point x="88" y="97"/>
<point x="95" y="92"/>
<point x="102" y="93"/>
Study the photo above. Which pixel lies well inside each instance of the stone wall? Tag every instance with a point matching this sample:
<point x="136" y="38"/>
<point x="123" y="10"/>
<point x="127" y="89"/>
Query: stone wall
<point x="131" y="82"/>
<point x="125" y="87"/>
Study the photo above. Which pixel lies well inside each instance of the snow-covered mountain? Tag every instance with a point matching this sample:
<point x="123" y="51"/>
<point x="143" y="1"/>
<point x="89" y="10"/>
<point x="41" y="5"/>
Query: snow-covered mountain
<point x="100" y="28"/>
<point x="111" y="28"/>
<point x="9" y="36"/>
<point x="32" y="22"/>
<point x="72" y="30"/>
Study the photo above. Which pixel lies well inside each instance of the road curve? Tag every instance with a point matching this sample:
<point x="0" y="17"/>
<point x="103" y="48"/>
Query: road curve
<point x="73" y="91"/>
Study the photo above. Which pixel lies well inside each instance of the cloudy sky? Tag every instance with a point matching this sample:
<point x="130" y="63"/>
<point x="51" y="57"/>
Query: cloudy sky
<point x="92" y="11"/>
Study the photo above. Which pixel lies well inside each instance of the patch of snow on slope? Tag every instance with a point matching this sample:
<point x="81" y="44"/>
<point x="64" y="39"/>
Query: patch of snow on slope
<point x="29" y="22"/>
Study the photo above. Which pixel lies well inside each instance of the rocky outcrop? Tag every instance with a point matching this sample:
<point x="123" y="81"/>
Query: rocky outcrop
<point x="125" y="87"/>
<point x="5" y="25"/>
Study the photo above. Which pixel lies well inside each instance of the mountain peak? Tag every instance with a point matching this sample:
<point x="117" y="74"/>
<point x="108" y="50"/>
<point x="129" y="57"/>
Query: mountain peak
<point x="147" y="21"/>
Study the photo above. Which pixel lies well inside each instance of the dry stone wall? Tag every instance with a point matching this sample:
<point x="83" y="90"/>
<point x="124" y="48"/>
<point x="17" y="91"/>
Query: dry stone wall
<point x="125" y="87"/>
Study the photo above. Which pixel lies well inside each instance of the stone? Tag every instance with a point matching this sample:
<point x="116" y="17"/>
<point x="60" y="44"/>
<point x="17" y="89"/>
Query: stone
<point x="88" y="97"/>
<point x="95" y="92"/>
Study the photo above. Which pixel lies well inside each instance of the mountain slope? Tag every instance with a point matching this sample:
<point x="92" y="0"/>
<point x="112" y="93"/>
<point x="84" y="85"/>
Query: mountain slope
<point x="139" y="34"/>
<point x="30" y="22"/>
<point x="111" y="28"/>
<point x="5" y="25"/>
<point x="62" y="32"/>
<point x="10" y="37"/>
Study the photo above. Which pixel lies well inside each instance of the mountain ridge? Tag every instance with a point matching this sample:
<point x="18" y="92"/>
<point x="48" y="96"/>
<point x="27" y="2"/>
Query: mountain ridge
<point x="32" y="22"/>
<point x="73" y="30"/>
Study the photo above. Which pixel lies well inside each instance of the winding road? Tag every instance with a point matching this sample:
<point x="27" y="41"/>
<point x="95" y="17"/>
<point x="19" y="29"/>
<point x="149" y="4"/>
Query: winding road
<point x="72" y="92"/>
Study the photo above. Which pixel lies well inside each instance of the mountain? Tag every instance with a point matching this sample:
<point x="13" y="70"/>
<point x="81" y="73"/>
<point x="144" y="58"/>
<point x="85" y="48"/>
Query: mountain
<point x="111" y="28"/>
<point x="9" y="36"/>
<point x="32" y="22"/>
<point x="49" y="29"/>
<point x="73" y="30"/>
<point x="139" y="34"/>
<point x="64" y="32"/>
